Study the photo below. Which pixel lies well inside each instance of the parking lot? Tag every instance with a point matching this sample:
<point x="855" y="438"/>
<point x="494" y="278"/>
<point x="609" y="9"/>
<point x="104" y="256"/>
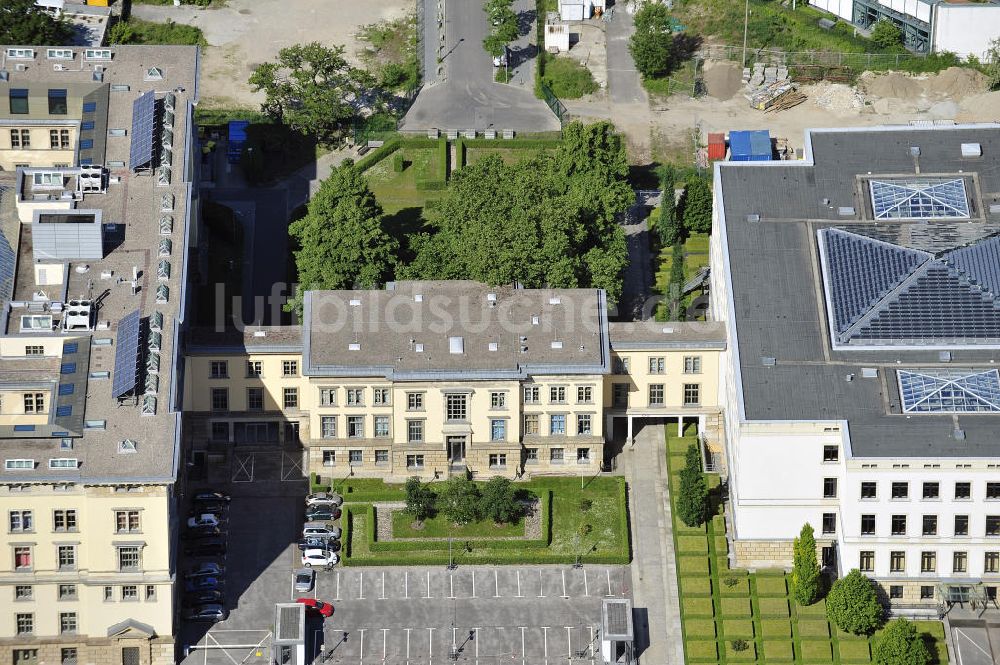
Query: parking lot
<point x="420" y="614"/>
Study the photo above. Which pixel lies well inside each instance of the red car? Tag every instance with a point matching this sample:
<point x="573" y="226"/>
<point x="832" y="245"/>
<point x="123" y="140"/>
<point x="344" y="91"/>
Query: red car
<point x="316" y="606"/>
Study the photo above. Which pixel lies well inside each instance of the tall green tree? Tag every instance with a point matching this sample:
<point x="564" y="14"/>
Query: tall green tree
<point x="314" y="90"/>
<point x="991" y="64"/>
<point x="341" y="242"/>
<point x="22" y="22"/>
<point x="652" y="41"/>
<point x="698" y="206"/>
<point x="547" y="221"/>
<point x="503" y="26"/>
<point x="805" y="568"/>
<point x="900" y="644"/>
<point x="460" y="500"/>
<point x="420" y="499"/>
<point x="852" y="604"/>
<point x="499" y="501"/>
<point x="692" y="497"/>
<point x="668" y="225"/>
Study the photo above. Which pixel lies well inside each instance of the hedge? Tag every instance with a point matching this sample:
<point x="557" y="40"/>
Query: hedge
<point x="442" y="161"/>
<point x="513" y="144"/>
<point x="315" y="484"/>
<point x="460" y="153"/>
<point x="424" y="185"/>
<point x="378" y="154"/>
<point x="416" y="545"/>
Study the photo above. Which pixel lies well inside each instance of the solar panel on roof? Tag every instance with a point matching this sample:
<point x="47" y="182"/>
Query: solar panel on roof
<point x="923" y="198"/>
<point x="126" y="355"/>
<point x="143" y="127"/>
<point x="949" y="391"/>
<point x="980" y="263"/>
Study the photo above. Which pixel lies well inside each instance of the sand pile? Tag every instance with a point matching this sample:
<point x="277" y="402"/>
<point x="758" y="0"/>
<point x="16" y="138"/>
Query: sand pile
<point x="722" y="79"/>
<point x="956" y="82"/>
<point x="891" y="84"/>
<point x="835" y="96"/>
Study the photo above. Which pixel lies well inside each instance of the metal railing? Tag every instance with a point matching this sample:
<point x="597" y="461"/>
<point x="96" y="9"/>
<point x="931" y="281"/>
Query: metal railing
<point x="554" y="104"/>
<point x="855" y="61"/>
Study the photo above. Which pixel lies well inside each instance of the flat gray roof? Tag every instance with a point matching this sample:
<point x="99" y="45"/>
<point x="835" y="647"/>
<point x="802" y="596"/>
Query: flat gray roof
<point x="460" y="329"/>
<point x="777" y="298"/>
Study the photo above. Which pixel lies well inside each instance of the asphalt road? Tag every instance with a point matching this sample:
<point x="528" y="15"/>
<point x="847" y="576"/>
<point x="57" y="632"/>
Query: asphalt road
<point x="466" y="96"/>
<point x="624" y="84"/>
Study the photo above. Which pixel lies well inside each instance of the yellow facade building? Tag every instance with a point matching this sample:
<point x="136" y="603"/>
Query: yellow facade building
<point x="430" y="379"/>
<point x="93" y="243"/>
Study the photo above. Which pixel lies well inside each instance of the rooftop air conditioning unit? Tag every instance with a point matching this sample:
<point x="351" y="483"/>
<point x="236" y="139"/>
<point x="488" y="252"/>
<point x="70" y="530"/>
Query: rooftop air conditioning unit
<point x="20" y="67"/>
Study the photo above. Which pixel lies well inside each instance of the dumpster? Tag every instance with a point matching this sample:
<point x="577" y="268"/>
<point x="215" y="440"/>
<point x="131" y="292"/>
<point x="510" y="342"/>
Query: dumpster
<point x="750" y="146"/>
<point x="717" y="146"/>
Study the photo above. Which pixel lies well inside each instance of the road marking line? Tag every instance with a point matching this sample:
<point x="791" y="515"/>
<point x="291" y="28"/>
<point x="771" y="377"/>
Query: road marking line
<point x="361" y="586"/>
<point x="591" y="642"/>
<point x="608" y="572"/>
<point x="385" y="632"/>
<point x="473" y="583"/>
<point x="496" y="583"/>
<point x="454" y="634"/>
<point x="406" y="585"/>
<point x="519" y="584"/>
<point x="540" y="594"/>
<point x="522" y="645"/>
<point x="545" y="640"/>
<point x="569" y="643"/>
<point x="408" y="643"/>
<point x="362" y="658"/>
<point x="563" y="571"/>
<point x="338" y="586"/>
<point x="428" y="585"/>
<point x="383" y="586"/>
<point x="451" y="582"/>
<point x="430" y="645"/>
<point x="586" y="589"/>
<point x="475" y="641"/>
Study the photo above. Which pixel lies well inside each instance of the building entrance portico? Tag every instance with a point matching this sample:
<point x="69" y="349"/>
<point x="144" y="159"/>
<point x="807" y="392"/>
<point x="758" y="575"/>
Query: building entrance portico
<point x="615" y="421"/>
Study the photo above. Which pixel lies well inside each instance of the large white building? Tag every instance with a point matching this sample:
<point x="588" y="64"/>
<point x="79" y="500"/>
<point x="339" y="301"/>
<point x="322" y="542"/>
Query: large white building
<point x="964" y="28"/>
<point x="861" y="293"/>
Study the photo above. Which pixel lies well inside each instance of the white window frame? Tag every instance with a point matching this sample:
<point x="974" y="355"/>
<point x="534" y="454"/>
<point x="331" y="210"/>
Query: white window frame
<point x="59" y="54"/>
<point x="21" y="53"/>
<point x="97" y="54"/>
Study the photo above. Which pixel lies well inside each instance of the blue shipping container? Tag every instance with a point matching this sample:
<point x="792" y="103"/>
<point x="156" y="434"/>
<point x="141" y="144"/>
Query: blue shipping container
<point x="750" y="146"/>
<point x="237" y="137"/>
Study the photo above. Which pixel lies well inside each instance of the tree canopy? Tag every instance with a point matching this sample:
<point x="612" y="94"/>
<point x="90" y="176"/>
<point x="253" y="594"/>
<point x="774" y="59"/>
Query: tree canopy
<point x="314" y="90"/>
<point x="900" y="644"/>
<point x="23" y="22"/>
<point x="341" y="242"/>
<point x="698" y="206"/>
<point x="503" y="25"/>
<point x="499" y="501"/>
<point x="886" y="34"/>
<point x="651" y="44"/>
<point x="420" y="499"/>
<point x="546" y="221"/>
<point x="460" y="501"/>
<point x="805" y="568"/>
<point x="853" y="606"/>
<point x="692" y="499"/>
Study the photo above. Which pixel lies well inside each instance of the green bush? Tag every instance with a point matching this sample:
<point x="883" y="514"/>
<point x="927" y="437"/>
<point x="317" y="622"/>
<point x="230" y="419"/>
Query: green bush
<point x="378" y="154"/>
<point x="651" y="43"/>
<point x="853" y="606"/>
<point x="499" y="502"/>
<point x="420" y="498"/>
<point x="316" y="484"/>
<point x="805" y="569"/>
<point x="397" y="162"/>
<point x="443" y="159"/>
<point x="692" y="499"/>
<point x="886" y="34"/>
<point x="900" y="644"/>
<point x="568" y="79"/>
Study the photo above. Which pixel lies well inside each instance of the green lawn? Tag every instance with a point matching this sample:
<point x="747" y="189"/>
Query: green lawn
<point x="605" y="541"/>
<point x="148" y="32"/>
<point x="441" y="527"/>
<point x="398" y="191"/>
<point x="567" y="78"/>
<point x="723" y="609"/>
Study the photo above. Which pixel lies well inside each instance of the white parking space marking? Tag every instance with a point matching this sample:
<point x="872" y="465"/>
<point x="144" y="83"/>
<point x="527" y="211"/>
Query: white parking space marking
<point x="496" y="583"/>
<point x="289" y="465"/>
<point x="244" y="471"/>
<point x="361" y="586"/>
<point x="451" y="582"/>
<point x="408" y="644"/>
<point x="591" y="642"/>
<point x="383" y="586"/>
<point x="608" y="571"/>
<point x="564" y="583"/>
<point x="522" y="645"/>
<point x="569" y="642"/>
<point x="545" y="642"/>
<point x="519" y="584"/>
<point x="428" y="585"/>
<point x="473" y="583"/>
<point x="406" y="585"/>
<point x="586" y="590"/>
<point x="384" y="639"/>
<point x="430" y="645"/>
<point x="541" y="584"/>
<point x="338" y="586"/>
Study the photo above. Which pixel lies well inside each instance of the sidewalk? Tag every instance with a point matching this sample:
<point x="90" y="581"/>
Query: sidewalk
<point x="654" y="567"/>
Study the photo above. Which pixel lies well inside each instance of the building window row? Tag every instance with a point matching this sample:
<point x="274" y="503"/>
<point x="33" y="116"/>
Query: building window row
<point x="219" y="369"/>
<point x="557" y="394"/>
<point x="929" y="490"/>
<point x="22" y="521"/>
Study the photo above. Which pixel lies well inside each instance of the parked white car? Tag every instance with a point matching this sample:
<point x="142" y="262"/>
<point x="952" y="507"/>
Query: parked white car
<point x="319" y="558"/>
<point x="320" y="530"/>
<point x="204" y="520"/>
<point x="324" y="498"/>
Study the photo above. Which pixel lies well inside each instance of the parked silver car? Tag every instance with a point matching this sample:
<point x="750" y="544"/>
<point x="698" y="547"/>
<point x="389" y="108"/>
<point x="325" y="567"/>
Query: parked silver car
<point x="304" y="580"/>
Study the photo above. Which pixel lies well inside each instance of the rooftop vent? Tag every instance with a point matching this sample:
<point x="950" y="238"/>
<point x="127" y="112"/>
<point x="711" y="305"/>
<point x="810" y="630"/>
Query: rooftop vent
<point x="153" y="74"/>
<point x="972" y="150"/>
<point x="668" y="330"/>
<point x="153" y="362"/>
<point x="491" y="297"/>
<point x="534" y="319"/>
<point x="944" y="356"/>
<point x="555" y="300"/>
<point x="914" y="151"/>
<point x="418" y="297"/>
<point x="493" y="346"/>
<point x="849" y="378"/>
<point x="162" y="294"/>
<point x="354" y="346"/>
<point x="768" y="361"/>
<point x="869" y="372"/>
<point x="126" y="446"/>
<point x="846" y="211"/>
<point x="959" y="434"/>
<point x="419" y="348"/>
<point x="753" y="218"/>
<point x="260" y="333"/>
<point x="556" y="344"/>
<point x="167" y="202"/>
<point x="149" y="405"/>
<point x="354" y="302"/>
<point x="456" y="345"/>
<point x="166" y="225"/>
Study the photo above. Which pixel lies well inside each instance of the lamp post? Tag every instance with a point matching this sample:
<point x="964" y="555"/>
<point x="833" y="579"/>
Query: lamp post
<point x="746" y="22"/>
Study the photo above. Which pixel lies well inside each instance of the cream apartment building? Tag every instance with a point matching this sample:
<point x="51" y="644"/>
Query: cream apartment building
<point x="92" y="270"/>
<point x="859" y="289"/>
<point x="436" y="378"/>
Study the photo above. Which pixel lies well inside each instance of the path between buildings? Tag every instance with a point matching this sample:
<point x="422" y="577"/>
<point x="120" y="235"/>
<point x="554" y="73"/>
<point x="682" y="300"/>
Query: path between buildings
<point x="624" y="85"/>
<point x="654" y="567"/>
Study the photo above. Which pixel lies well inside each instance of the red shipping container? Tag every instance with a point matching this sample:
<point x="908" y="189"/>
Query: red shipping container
<point x="717" y="146"/>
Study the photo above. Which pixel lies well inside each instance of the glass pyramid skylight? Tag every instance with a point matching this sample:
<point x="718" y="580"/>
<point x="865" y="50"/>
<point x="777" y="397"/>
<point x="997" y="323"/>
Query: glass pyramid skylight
<point x="926" y="198"/>
<point x="950" y="391"/>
